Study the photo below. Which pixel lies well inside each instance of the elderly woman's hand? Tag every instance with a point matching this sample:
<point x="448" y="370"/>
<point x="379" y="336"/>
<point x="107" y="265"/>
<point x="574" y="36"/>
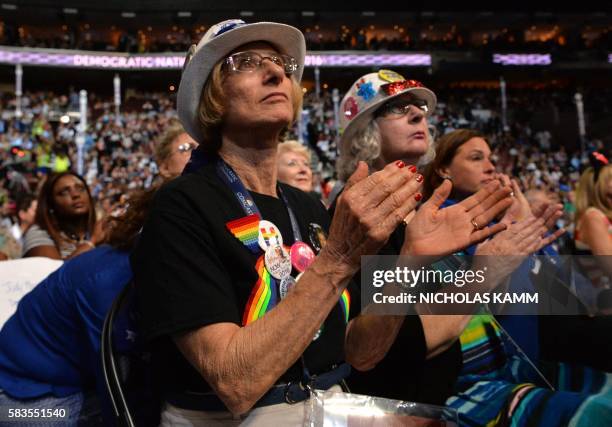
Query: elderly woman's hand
<point x="369" y="209"/>
<point x="435" y="231"/>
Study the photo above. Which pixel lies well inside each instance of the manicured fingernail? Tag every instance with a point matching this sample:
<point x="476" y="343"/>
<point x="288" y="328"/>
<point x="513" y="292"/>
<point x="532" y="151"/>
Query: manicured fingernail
<point x="400" y="164"/>
<point x="418" y="197"/>
<point x="412" y="168"/>
<point x="419" y="178"/>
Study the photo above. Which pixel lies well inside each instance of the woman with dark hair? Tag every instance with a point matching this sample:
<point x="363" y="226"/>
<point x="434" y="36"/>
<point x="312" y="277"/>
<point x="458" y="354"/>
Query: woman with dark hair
<point x="497" y="385"/>
<point x="50" y="347"/>
<point x="65" y="223"/>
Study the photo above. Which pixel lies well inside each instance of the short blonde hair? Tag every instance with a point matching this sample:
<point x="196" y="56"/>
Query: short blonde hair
<point x="211" y="108"/>
<point x="163" y="149"/>
<point x="294" y="147"/>
<point x="593" y="194"/>
<point x="365" y="146"/>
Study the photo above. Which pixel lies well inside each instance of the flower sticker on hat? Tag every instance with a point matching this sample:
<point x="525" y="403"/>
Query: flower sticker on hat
<point x="366" y="91"/>
<point x="350" y="108"/>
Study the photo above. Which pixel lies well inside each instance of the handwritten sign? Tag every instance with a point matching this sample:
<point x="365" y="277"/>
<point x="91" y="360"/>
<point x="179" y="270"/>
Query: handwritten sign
<point x="20" y="276"/>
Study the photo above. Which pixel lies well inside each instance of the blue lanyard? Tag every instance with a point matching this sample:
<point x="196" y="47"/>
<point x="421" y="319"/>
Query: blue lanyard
<point x="233" y="181"/>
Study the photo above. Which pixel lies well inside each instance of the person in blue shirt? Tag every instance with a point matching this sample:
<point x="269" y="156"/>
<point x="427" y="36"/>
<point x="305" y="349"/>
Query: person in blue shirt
<point x="50" y="347"/>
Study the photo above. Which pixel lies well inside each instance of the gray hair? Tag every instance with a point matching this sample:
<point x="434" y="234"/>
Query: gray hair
<point x="364" y="145"/>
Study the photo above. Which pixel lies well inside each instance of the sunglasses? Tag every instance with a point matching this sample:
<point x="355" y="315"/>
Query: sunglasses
<point x="186" y="147"/>
<point x="247" y="62"/>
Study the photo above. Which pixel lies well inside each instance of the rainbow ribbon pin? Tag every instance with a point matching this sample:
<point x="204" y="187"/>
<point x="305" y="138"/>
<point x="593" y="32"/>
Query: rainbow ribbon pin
<point x="246" y="230"/>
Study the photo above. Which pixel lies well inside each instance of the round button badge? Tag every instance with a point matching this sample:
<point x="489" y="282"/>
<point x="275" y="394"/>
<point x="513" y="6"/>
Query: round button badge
<point x="317" y="236"/>
<point x="278" y="262"/>
<point x="269" y="235"/>
<point x="286" y="285"/>
<point x="301" y="256"/>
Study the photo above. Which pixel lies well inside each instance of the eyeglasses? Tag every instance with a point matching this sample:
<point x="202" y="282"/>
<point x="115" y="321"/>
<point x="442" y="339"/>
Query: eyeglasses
<point x="293" y="162"/>
<point x="186" y="147"/>
<point x="247" y="62"/>
<point x="401" y="108"/>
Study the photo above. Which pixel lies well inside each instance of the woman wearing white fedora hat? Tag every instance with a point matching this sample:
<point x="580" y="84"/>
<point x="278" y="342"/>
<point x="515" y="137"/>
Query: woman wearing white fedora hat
<point x="241" y="293"/>
<point x="384" y="119"/>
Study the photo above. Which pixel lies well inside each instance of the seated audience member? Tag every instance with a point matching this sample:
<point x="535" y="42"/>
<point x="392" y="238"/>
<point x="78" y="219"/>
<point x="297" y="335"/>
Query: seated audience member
<point x="65" y="223"/>
<point x="50" y="347"/>
<point x="70" y="305"/>
<point x="26" y="216"/>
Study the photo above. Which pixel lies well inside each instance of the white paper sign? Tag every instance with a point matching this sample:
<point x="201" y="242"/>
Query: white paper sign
<point x="20" y="276"/>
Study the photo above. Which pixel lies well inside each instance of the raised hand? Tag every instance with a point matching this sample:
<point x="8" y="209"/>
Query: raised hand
<point x="369" y="209"/>
<point x="509" y="248"/>
<point x="435" y="231"/>
<point x="520" y="208"/>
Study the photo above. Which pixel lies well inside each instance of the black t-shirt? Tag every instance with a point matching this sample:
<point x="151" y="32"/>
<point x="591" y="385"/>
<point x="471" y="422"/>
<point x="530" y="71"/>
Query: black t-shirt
<point x="405" y="373"/>
<point x="190" y="271"/>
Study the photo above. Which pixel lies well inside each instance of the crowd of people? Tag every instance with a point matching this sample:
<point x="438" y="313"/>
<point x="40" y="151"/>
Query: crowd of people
<point x="119" y="151"/>
<point x="421" y="36"/>
<point x="243" y="246"/>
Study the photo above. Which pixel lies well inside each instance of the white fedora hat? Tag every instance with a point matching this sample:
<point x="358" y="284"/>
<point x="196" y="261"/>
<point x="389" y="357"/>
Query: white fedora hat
<point x="369" y="92"/>
<point x="220" y="40"/>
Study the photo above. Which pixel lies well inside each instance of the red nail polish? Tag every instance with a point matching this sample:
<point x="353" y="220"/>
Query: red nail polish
<point x="418" y="197"/>
<point x="412" y="168"/>
<point x="419" y="178"/>
<point x="400" y="164"/>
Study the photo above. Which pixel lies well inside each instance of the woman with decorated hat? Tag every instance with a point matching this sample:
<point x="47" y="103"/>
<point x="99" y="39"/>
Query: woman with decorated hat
<point x="384" y="119"/>
<point x="374" y="126"/>
<point x="244" y="305"/>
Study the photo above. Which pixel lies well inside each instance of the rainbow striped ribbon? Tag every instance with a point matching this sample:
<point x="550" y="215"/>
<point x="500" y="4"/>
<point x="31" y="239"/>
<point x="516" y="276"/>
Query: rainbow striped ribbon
<point x="264" y="295"/>
<point x="246" y="230"/>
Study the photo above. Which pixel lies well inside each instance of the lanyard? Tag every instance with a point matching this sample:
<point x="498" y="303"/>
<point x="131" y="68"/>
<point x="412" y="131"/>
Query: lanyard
<point x="233" y="181"/>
